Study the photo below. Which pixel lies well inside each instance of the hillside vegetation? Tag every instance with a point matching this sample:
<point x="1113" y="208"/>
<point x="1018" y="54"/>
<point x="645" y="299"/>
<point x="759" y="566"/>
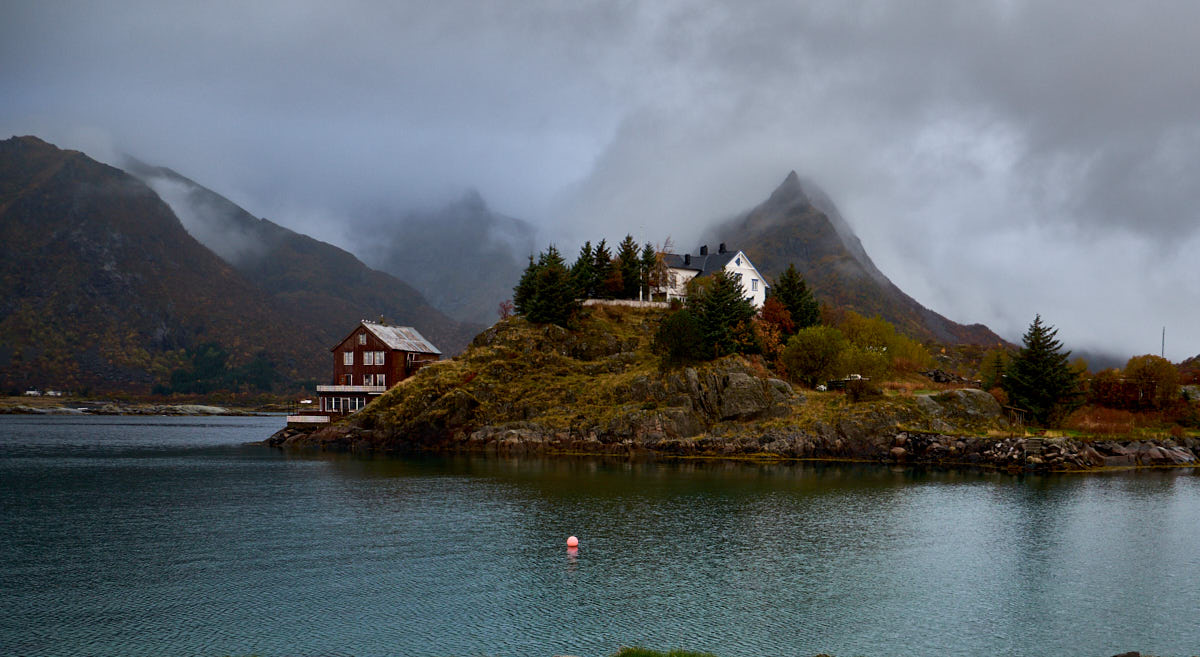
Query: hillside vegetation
<point x="600" y="387"/>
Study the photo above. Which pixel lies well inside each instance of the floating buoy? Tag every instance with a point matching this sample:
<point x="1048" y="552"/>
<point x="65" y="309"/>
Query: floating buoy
<point x="572" y="542"/>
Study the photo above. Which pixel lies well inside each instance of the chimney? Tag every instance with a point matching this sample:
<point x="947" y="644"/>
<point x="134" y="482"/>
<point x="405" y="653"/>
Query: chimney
<point x="704" y="250"/>
<point x="687" y="259"/>
<point x="721" y="249"/>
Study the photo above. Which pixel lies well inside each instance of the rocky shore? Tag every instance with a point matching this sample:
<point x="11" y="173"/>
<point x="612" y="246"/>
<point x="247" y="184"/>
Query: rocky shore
<point x="119" y="408"/>
<point x="599" y="389"/>
<point x="900" y="447"/>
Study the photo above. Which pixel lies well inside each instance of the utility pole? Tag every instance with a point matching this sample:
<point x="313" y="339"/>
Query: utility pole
<point x="1163" y="353"/>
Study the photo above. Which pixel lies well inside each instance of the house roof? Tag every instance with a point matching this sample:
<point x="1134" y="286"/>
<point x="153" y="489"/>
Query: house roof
<point x="705" y="264"/>
<point x="400" y="338"/>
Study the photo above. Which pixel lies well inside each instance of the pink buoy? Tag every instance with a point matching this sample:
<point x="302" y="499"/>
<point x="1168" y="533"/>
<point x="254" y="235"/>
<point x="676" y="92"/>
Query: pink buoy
<point x="572" y="542"/>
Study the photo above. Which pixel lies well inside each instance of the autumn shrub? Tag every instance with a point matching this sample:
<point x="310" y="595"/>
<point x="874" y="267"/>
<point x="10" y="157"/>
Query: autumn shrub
<point x="1100" y="420"/>
<point x="861" y="390"/>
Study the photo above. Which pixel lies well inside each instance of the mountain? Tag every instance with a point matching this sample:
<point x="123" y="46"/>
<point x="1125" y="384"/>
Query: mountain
<point x="313" y="282"/>
<point x="799" y="224"/>
<point x="443" y="252"/>
<point x="101" y="286"/>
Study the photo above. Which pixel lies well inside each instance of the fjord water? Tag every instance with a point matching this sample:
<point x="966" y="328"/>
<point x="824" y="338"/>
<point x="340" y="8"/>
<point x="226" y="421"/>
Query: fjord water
<point x="168" y="536"/>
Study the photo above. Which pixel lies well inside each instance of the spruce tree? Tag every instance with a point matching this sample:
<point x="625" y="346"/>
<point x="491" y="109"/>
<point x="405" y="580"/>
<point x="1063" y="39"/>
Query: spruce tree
<point x="524" y="292"/>
<point x="605" y="272"/>
<point x="722" y="312"/>
<point x="583" y="272"/>
<point x="649" y="261"/>
<point x="629" y="263"/>
<point x="1039" y="378"/>
<point x="553" y="300"/>
<point x="793" y="293"/>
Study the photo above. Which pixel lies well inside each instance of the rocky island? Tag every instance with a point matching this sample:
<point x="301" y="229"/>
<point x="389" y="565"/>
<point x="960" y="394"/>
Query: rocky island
<point x="599" y="388"/>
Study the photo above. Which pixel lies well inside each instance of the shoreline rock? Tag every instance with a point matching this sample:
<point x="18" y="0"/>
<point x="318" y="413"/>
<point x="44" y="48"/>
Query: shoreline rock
<point x="907" y="447"/>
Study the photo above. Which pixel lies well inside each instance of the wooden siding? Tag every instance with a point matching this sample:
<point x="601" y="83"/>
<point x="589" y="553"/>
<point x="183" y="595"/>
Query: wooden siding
<point x="396" y="367"/>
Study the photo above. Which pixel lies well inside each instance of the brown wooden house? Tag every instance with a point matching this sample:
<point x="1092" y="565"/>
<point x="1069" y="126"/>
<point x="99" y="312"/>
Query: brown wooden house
<point x="373" y="358"/>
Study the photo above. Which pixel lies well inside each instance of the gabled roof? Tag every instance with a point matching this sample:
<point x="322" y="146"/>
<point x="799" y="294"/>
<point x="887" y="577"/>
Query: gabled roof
<point x="400" y="338"/>
<point x="705" y="264"/>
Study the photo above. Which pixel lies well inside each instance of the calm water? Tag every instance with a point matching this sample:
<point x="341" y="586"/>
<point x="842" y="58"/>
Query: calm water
<point x="135" y="536"/>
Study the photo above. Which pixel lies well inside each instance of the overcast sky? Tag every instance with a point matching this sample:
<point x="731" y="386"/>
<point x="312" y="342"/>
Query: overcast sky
<point x="997" y="159"/>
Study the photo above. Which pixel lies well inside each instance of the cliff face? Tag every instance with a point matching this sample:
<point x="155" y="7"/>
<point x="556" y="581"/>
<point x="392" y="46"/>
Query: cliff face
<point x="799" y="224"/>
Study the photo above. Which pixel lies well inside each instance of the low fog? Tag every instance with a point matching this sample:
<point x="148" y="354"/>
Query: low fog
<point x="997" y="159"/>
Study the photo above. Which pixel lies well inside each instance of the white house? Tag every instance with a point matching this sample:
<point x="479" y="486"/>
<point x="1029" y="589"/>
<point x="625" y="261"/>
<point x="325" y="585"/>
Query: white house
<point x="685" y="267"/>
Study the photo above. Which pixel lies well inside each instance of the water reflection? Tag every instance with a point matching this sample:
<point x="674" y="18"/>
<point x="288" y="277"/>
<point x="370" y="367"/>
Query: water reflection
<point x="165" y="542"/>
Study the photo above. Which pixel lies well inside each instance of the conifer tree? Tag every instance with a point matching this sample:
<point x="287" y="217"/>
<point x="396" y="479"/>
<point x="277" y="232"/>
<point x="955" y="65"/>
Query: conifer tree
<point x="723" y="313"/>
<point x="648" y="265"/>
<point x="991" y="372"/>
<point x="553" y="299"/>
<point x="605" y="272"/>
<point x="1039" y="378"/>
<point x="793" y="293"/>
<point x="629" y="263"/>
<point x="583" y="272"/>
<point x="524" y="291"/>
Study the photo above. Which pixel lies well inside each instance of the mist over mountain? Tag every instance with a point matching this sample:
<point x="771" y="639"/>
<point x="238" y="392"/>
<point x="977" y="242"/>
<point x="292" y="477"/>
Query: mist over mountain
<point x="464" y="257"/>
<point x="327" y="286"/>
<point x="799" y="224"/>
<point x="103" y="286"/>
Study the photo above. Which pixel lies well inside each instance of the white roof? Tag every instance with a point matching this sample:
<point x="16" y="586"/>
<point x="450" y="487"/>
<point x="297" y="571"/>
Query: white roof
<point x="403" y="338"/>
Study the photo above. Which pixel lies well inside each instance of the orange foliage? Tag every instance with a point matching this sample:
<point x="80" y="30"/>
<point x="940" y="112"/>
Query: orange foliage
<point x="773" y="312"/>
<point x="1100" y="420"/>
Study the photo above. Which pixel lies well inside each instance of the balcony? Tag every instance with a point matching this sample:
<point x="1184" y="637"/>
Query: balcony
<point x="360" y="390"/>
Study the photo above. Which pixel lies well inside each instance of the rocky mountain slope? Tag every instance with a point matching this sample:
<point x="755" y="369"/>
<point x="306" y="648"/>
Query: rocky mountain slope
<point x="101" y="286"/>
<point x="465" y="258"/>
<point x="311" y="281"/>
<point x="799" y="224"/>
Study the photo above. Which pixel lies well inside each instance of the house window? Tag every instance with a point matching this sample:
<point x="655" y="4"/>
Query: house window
<point x="738" y="261"/>
<point x="379" y="380"/>
<point x="347" y="358"/>
<point x="362" y="338"/>
<point x="754" y="285"/>
<point x="368" y="379"/>
<point x="368" y="357"/>
<point x="379" y="358"/>
<point x="349" y="380"/>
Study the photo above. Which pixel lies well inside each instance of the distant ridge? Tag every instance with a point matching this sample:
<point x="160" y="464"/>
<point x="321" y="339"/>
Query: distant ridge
<point x="800" y="224"/>
<point x="312" y="281"/>
<point x="103" y="288"/>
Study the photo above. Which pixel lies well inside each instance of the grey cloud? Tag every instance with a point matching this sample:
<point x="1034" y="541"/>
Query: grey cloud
<point x="969" y="144"/>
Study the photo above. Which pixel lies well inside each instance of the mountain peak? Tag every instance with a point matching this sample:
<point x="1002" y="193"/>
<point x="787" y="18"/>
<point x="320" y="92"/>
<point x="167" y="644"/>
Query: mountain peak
<point x="472" y="200"/>
<point x="789" y="191"/>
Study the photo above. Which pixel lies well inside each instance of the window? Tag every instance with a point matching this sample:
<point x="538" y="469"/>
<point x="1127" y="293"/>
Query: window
<point x="738" y="261"/>
<point x="349" y="380"/>
<point x="754" y="285"/>
<point x="362" y="338"/>
<point x="347" y="358"/>
<point x="379" y="380"/>
<point x="368" y="379"/>
<point x="368" y="357"/>
<point x="379" y="357"/>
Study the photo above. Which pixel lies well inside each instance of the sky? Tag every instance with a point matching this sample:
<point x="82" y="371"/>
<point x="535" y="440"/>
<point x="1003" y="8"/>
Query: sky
<point x="997" y="159"/>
